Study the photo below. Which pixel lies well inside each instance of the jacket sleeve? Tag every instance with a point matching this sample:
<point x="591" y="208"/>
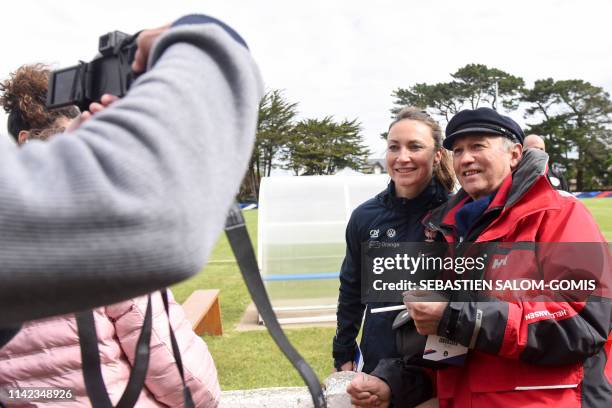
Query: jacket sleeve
<point x="410" y="385"/>
<point x="350" y="309"/>
<point x="546" y="333"/>
<point x="163" y="379"/>
<point x="135" y="199"/>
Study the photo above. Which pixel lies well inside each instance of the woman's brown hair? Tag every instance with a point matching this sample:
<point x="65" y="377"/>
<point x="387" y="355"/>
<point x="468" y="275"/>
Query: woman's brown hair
<point x="23" y="97"/>
<point x="443" y="171"/>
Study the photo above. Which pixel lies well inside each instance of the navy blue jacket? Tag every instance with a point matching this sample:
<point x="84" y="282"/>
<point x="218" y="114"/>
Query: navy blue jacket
<point x="385" y="218"/>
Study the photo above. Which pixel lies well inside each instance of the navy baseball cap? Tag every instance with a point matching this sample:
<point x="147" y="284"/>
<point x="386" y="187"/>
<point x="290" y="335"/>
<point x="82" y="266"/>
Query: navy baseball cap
<point x="481" y="121"/>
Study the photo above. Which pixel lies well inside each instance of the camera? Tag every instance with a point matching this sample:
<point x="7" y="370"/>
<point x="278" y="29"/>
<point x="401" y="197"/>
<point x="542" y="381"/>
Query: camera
<point x="109" y="72"/>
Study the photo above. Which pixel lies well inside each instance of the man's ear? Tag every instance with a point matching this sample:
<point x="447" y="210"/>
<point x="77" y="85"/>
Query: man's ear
<point x="516" y="155"/>
<point x="23" y="137"/>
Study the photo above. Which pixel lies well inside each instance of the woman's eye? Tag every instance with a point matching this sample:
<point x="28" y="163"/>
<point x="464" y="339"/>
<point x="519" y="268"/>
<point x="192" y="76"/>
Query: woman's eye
<point x="415" y="148"/>
<point x="393" y="148"/>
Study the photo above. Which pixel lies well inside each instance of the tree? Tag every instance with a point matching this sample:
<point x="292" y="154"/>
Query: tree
<point x="479" y="85"/>
<point x="322" y="146"/>
<point x="274" y="125"/>
<point x="445" y="99"/>
<point x="575" y="118"/>
<point x="473" y="85"/>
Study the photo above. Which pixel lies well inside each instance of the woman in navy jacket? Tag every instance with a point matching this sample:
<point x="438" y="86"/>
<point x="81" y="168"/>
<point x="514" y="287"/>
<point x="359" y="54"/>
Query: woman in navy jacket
<point x="421" y="179"/>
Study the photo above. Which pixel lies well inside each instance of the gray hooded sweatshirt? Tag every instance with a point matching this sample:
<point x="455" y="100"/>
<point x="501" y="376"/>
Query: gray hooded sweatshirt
<point x="135" y="199"/>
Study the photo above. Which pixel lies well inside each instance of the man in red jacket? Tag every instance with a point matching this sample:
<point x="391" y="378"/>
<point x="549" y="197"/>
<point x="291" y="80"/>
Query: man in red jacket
<point x="521" y="353"/>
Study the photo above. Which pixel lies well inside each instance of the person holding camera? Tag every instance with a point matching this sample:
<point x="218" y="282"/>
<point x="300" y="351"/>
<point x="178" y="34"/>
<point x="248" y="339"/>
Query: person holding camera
<point x="135" y="198"/>
<point x="46" y="352"/>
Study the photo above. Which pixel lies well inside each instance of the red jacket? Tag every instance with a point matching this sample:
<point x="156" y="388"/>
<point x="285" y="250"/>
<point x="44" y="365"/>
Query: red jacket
<point x="528" y="353"/>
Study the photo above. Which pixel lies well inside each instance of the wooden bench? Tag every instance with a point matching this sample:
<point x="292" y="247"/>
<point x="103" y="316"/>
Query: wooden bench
<point x="202" y="309"/>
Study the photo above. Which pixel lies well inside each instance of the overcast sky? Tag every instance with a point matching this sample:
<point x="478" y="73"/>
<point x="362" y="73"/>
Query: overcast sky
<point x="340" y="57"/>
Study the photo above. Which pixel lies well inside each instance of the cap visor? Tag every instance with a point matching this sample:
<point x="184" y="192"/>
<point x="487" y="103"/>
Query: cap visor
<point x="448" y="141"/>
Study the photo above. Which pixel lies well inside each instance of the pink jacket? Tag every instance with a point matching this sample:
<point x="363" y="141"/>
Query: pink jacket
<point x="46" y="353"/>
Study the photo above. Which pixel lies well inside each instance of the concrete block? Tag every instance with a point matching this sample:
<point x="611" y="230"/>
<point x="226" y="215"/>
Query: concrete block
<point x="297" y="397"/>
<point x="280" y="397"/>
<point x="335" y="389"/>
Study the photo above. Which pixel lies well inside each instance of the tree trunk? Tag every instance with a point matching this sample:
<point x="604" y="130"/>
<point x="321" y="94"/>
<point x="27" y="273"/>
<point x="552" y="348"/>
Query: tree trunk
<point x="579" y="172"/>
<point x="268" y="163"/>
<point x="254" y="185"/>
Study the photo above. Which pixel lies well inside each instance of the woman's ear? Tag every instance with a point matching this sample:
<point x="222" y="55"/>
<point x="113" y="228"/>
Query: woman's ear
<point x="23" y="137"/>
<point x="437" y="157"/>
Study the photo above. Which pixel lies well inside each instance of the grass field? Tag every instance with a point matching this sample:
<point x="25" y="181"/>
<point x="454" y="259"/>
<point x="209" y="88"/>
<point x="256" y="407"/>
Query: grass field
<point x="601" y="208"/>
<point x="251" y="359"/>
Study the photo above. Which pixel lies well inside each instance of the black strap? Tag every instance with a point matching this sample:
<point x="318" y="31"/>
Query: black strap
<point x="7" y="333"/>
<point x="90" y="357"/>
<point x="240" y="242"/>
<point x="188" y="400"/>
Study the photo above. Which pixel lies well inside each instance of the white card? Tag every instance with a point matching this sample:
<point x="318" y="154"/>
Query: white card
<point x="358" y="360"/>
<point x="444" y="350"/>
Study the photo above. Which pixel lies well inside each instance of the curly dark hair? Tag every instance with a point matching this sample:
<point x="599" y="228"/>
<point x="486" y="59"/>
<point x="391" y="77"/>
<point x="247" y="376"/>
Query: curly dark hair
<point x="23" y="96"/>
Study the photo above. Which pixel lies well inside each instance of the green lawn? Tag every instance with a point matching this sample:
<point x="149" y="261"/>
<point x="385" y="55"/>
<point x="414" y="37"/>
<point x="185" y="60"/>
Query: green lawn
<point x="251" y="359"/>
<point x="601" y="208"/>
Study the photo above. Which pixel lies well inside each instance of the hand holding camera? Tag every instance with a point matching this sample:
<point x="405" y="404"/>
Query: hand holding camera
<point x="121" y="58"/>
<point x="144" y="44"/>
<point x="425" y="312"/>
<point x="94" y="108"/>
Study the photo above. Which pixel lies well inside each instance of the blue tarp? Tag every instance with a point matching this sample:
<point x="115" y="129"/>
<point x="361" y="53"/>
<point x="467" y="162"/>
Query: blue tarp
<point x="588" y="194"/>
<point x="248" y="206"/>
<point x="302" y="276"/>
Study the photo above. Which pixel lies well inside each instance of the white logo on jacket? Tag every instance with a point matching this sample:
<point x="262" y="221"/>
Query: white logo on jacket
<point x="500" y="262"/>
<point x="374" y="233"/>
<point x="390" y="232"/>
<point x="554" y="181"/>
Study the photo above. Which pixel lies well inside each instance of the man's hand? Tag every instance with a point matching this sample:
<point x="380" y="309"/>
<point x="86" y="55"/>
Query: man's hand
<point x="104" y="103"/>
<point x="94" y="108"/>
<point x="426" y="315"/>
<point x="144" y="44"/>
<point x="369" y="391"/>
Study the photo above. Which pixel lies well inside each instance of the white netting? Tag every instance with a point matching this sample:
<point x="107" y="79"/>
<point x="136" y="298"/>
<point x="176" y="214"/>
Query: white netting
<point x="301" y="227"/>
